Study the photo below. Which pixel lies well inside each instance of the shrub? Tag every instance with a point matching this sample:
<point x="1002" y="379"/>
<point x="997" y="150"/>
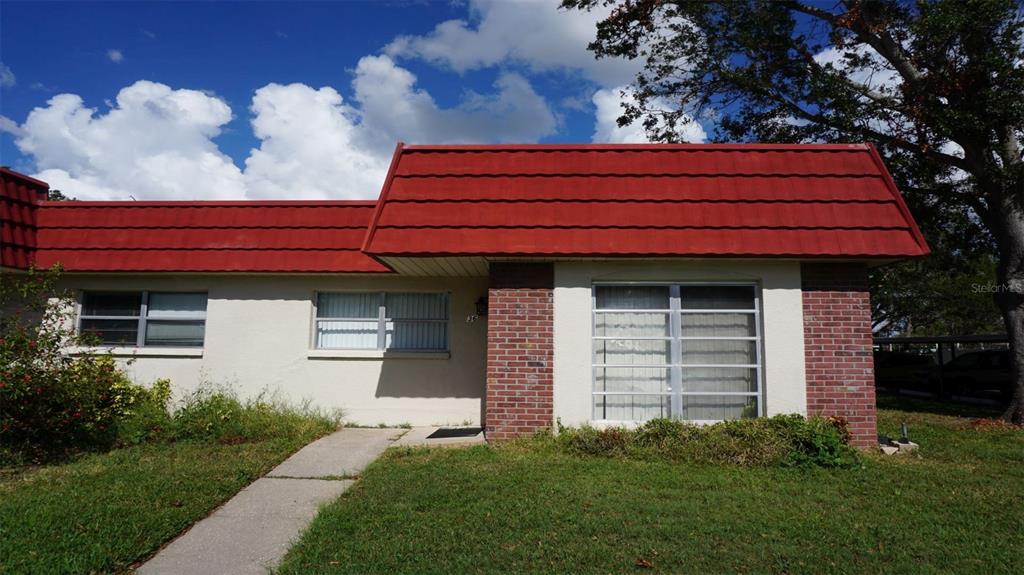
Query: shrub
<point x="782" y="440"/>
<point x="217" y="414"/>
<point x="145" y="413"/>
<point x="51" y="403"/>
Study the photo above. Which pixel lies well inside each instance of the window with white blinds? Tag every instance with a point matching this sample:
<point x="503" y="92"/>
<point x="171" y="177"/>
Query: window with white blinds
<point x="685" y="351"/>
<point x="375" y="320"/>
<point x="161" y="319"/>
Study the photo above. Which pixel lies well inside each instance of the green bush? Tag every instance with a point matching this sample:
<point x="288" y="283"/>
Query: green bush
<point x="217" y="414"/>
<point x="145" y="413"/>
<point x="51" y="403"/>
<point x="782" y="440"/>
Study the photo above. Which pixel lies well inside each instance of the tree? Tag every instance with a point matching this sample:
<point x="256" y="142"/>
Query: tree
<point x="936" y="85"/>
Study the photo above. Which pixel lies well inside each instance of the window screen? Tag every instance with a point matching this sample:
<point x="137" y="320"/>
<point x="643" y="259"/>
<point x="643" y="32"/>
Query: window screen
<point x="398" y="321"/>
<point x="144" y="318"/>
<point x="684" y="351"/>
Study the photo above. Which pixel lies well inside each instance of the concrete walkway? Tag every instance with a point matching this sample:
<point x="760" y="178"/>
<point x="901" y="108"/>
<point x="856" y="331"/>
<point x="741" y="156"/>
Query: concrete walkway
<point x="251" y="532"/>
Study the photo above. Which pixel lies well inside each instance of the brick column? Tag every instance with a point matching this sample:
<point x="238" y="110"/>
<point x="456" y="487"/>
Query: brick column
<point x="520" y="350"/>
<point x="837" y="346"/>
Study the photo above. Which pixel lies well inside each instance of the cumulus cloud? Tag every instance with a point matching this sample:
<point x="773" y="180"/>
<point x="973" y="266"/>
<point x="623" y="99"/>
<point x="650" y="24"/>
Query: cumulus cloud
<point x="309" y="146"/>
<point x="115" y="56"/>
<point x="155" y="142"/>
<point x="534" y="33"/>
<point x="314" y="144"/>
<point x="392" y="107"/>
<point x="608" y="103"/>
<point x="7" y="78"/>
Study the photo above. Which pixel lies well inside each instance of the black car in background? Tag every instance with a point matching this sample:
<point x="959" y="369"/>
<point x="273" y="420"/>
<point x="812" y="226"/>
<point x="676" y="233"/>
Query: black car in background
<point x="976" y="374"/>
<point x="903" y="370"/>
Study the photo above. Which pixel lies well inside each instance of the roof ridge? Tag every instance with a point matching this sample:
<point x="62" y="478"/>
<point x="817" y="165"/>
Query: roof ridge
<point x="589" y="147"/>
<point x="640" y="227"/>
<point x="641" y="175"/>
<point x="515" y="200"/>
<point x="209" y="203"/>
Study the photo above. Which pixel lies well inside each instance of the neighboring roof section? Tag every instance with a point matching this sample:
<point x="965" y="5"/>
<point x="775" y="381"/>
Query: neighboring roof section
<point x="642" y="200"/>
<point x="19" y="200"/>
<point x="242" y="236"/>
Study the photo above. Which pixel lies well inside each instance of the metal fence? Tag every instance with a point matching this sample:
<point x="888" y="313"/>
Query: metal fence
<point x="929" y="367"/>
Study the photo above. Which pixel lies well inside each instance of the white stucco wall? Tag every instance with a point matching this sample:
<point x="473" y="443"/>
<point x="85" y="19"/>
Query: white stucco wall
<point x="258" y="337"/>
<point x="782" y="309"/>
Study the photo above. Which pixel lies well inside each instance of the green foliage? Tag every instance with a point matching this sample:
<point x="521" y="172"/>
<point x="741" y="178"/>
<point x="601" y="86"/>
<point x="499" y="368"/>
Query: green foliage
<point x="51" y="402"/>
<point x="54" y="403"/>
<point x="782" y="440"/>
<point x="145" y="413"/>
<point x="217" y="414"/>
<point x="103" y="512"/>
<point x="529" y="507"/>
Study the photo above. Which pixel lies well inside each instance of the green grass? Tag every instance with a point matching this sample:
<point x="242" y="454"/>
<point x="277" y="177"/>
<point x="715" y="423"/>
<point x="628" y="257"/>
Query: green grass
<point x="528" y="507"/>
<point x="103" y="512"/>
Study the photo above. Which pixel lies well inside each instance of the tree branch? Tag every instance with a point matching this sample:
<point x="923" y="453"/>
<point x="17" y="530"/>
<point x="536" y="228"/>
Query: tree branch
<point x="867" y="132"/>
<point x="883" y="43"/>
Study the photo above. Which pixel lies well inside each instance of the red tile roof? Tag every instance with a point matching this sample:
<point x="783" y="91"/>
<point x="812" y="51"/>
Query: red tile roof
<point x="19" y="203"/>
<point x="637" y="200"/>
<point x="832" y="201"/>
<point x="242" y="236"/>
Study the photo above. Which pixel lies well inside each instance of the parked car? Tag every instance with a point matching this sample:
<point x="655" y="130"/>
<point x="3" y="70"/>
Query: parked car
<point x="897" y="369"/>
<point x="978" y="374"/>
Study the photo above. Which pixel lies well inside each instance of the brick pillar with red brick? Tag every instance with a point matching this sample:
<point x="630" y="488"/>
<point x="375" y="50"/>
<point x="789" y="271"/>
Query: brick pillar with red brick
<point x="520" y="350"/>
<point x="837" y="346"/>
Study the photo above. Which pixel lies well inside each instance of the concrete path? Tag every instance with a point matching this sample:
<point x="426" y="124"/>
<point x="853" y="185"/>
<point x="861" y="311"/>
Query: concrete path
<point x="251" y="532"/>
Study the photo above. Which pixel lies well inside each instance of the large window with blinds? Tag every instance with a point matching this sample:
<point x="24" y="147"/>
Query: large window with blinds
<point x="143" y="318"/>
<point x="686" y="351"/>
<point x="381" y="320"/>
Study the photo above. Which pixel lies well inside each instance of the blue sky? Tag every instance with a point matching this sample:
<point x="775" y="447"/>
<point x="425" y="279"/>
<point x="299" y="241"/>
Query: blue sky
<point x="301" y="99"/>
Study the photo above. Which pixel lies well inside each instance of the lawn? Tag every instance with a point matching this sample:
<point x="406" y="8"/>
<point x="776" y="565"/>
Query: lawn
<point x="959" y="507"/>
<point x="103" y="512"/>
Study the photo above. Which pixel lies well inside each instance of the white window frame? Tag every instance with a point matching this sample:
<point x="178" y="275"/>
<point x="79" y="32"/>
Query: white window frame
<point x="382" y="322"/>
<point x="142" y="317"/>
<point x="675" y="365"/>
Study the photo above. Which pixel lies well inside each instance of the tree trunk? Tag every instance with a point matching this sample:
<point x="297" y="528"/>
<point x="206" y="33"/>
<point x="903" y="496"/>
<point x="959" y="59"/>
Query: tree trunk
<point x="1009" y="294"/>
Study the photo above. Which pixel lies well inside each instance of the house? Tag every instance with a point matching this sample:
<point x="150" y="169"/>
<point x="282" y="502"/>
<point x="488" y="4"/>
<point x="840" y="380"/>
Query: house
<point x="513" y="286"/>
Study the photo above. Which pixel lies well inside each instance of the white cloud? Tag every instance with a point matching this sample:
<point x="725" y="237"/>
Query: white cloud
<point x="7" y="78"/>
<point x="534" y="33"/>
<point x="155" y="143"/>
<point x="9" y="126"/>
<point x="609" y="107"/>
<point x="116" y="56"/>
<point x="308" y="146"/>
<point x="313" y="144"/>
<point x="876" y="74"/>
<point x="392" y="107"/>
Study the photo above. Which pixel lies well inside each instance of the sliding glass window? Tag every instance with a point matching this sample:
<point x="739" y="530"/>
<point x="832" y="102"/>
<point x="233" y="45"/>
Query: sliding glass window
<point x="375" y="320"/>
<point x="144" y="319"/>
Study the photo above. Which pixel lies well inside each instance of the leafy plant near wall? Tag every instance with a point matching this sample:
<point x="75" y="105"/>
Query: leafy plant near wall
<point x="781" y="440"/>
<point x="51" y="403"/>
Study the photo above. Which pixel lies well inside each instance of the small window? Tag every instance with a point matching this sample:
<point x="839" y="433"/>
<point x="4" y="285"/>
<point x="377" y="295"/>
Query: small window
<point x="160" y="319"/>
<point x="397" y="321"/>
